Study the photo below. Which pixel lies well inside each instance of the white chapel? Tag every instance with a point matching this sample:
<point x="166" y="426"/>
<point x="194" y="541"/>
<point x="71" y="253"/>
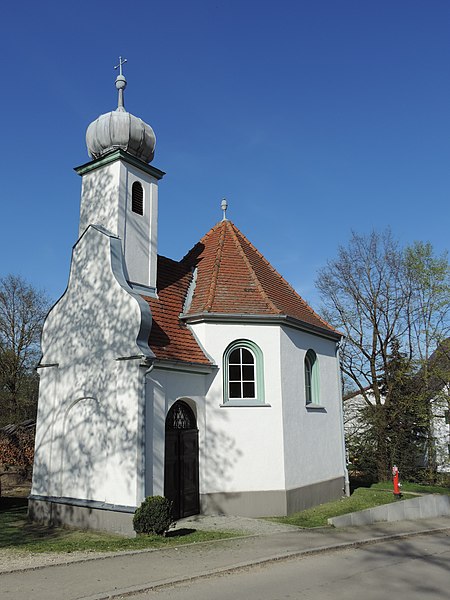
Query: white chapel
<point x="208" y="380"/>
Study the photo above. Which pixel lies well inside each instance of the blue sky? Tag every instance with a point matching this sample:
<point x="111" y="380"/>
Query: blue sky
<point x="313" y="118"/>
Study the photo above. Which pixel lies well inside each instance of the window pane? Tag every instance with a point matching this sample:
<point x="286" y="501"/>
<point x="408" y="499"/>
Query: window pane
<point x="248" y="373"/>
<point x="247" y="357"/>
<point x="307" y="376"/>
<point x="242" y="374"/>
<point x="235" y="390"/>
<point x="308" y="395"/>
<point x="235" y="373"/>
<point x="249" y="390"/>
<point x="235" y="357"/>
<point x="308" y="380"/>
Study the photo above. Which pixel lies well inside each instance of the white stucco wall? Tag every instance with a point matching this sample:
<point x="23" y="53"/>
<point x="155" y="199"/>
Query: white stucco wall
<point x="313" y="438"/>
<point x="106" y="201"/>
<point x="88" y="443"/>
<point x="141" y="232"/>
<point x="101" y="190"/>
<point x="242" y="447"/>
<point x="89" y="438"/>
<point x="163" y="388"/>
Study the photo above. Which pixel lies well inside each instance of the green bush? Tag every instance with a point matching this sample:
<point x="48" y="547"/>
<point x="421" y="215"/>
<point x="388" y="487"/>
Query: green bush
<point x="153" y="515"/>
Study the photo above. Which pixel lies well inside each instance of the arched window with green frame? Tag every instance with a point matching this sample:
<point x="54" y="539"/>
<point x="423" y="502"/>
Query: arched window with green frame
<point x="243" y="374"/>
<point x="311" y="378"/>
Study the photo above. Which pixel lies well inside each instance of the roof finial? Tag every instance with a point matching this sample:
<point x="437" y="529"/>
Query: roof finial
<point x="121" y="83"/>
<point x="224" y="206"/>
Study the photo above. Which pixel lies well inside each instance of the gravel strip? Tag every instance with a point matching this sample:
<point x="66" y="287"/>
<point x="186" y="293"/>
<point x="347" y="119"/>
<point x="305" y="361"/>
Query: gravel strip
<point x="230" y="523"/>
<point x="12" y="560"/>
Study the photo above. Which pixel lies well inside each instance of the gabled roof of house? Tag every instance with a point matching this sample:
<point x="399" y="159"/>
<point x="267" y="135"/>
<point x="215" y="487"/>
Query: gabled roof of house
<point x="355" y="393"/>
<point x="231" y="278"/>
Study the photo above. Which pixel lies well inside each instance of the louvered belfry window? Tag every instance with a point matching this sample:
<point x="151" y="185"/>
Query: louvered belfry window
<point x="137" y="198"/>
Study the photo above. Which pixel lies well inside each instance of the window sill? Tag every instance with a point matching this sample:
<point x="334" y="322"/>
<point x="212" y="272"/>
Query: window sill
<point x="244" y="404"/>
<point x="315" y="407"/>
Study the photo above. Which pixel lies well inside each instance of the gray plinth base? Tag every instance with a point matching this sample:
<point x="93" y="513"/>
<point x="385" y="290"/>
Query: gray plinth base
<point x="72" y="513"/>
<point x="272" y="503"/>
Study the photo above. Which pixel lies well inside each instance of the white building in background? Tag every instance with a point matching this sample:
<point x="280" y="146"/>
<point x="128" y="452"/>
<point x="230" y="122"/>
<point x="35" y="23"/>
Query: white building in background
<point x="355" y="424"/>
<point x="208" y="380"/>
<point x="440" y="429"/>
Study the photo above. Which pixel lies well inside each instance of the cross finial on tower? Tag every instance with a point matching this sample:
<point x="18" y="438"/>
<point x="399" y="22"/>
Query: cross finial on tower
<point x="119" y="66"/>
<point x="224" y="206"/>
<point x="121" y="83"/>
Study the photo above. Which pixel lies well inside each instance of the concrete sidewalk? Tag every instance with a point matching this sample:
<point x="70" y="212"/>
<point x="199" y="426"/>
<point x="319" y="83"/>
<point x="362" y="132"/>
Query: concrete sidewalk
<point x="121" y="574"/>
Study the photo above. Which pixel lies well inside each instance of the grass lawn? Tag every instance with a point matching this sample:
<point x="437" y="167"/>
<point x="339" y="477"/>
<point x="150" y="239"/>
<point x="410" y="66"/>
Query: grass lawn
<point x="412" y="487"/>
<point x="361" y="499"/>
<point x="19" y="535"/>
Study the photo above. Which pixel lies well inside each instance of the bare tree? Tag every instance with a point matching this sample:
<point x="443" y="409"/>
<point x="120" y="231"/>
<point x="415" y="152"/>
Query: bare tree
<point x="428" y="285"/>
<point x="22" y="312"/>
<point x="363" y="296"/>
<point x="383" y="297"/>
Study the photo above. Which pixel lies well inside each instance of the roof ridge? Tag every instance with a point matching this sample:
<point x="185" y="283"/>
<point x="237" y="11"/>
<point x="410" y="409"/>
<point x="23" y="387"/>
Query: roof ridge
<point x="216" y="268"/>
<point x="272" y="268"/>
<point x="188" y="254"/>
<point x="252" y="271"/>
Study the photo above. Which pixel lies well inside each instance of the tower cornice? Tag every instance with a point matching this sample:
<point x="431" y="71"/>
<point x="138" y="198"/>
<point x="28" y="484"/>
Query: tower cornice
<point x="115" y="155"/>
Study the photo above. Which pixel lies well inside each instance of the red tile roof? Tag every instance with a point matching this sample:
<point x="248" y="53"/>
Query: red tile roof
<point x="233" y="278"/>
<point x="170" y="338"/>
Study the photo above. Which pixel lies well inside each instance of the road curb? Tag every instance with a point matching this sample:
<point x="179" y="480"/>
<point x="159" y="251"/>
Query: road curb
<point x="130" y="591"/>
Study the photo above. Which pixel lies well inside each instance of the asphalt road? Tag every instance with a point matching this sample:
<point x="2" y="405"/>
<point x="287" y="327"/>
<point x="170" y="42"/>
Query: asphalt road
<point x="413" y="568"/>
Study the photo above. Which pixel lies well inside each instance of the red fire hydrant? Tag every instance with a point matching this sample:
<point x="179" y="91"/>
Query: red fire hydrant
<point x="397" y="484"/>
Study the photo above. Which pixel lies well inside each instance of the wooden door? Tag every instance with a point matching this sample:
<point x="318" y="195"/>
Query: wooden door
<point x="181" y="480"/>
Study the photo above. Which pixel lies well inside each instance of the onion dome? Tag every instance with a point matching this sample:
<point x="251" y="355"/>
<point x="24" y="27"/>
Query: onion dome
<point x="120" y="129"/>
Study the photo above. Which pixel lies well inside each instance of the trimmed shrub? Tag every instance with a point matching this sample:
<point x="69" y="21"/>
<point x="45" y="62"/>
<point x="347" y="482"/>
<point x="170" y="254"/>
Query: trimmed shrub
<point x="153" y="516"/>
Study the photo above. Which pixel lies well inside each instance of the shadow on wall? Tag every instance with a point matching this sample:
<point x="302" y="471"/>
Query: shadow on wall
<point x="81" y="517"/>
<point x="219" y="455"/>
<point x="218" y="451"/>
<point x="85" y="451"/>
<point x="92" y="378"/>
<point x="104" y="210"/>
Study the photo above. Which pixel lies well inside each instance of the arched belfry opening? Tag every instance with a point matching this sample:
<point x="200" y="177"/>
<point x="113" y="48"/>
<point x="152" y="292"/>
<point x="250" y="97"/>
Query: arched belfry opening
<point x="137" y="198"/>
<point x="181" y="479"/>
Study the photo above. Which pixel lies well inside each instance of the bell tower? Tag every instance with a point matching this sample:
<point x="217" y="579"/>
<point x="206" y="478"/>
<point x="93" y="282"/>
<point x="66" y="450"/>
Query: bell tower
<point x="120" y="188"/>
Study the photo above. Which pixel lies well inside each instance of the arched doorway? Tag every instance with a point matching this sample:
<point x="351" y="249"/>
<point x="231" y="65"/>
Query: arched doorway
<point x="181" y="461"/>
